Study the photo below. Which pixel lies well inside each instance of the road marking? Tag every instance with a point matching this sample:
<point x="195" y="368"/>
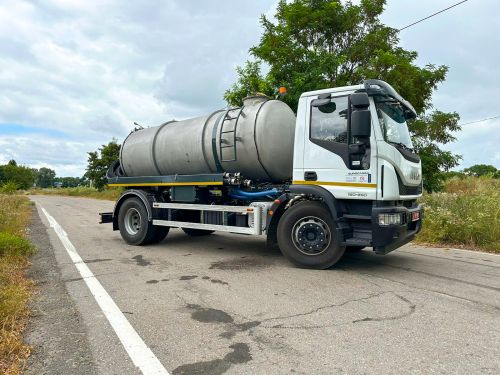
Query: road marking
<point x="136" y="348"/>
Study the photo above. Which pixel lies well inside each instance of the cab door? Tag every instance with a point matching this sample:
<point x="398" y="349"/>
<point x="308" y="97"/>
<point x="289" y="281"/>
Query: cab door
<point x="326" y="152"/>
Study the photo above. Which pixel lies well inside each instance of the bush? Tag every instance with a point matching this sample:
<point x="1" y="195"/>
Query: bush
<point x="8" y="188"/>
<point x="466" y="214"/>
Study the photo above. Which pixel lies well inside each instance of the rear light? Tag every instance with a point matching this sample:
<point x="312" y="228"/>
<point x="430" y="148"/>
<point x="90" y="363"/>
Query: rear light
<point x="390" y="219"/>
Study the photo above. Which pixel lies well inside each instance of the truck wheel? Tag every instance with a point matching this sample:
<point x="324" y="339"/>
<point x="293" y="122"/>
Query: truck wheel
<point x="197" y="232"/>
<point x="354" y="248"/>
<point x="160" y="233"/>
<point x="134" y="225"/>
<point x="307" y="236"/>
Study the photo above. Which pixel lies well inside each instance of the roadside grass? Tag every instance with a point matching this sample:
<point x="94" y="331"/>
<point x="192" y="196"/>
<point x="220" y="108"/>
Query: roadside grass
<point x="110" y="193"/>
<point x="466" y="214"/>
<point x="15" y="289"/>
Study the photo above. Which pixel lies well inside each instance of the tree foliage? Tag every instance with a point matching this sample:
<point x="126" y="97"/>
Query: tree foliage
<point x="45" y="177"/>
<point x="479" y="170"/>
<point x="99" y="162"/>
<point x="16" y="175"/>
<point x="71" y="181"/>
<point x="317" y="44"/>
<point x="249" y="82"/>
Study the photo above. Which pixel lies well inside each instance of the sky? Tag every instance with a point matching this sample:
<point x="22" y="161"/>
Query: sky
<point x="75" y="73"/>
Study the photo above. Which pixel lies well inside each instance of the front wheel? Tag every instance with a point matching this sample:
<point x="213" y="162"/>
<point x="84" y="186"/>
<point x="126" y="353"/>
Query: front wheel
<point x="134" y="225"/>
<point x="307" y="236"/>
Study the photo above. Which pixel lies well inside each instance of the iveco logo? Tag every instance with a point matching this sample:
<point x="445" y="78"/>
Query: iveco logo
<point x="413" y="174"/>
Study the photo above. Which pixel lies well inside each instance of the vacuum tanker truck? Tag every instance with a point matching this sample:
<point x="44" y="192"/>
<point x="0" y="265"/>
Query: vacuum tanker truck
<point x="342" y="173"/>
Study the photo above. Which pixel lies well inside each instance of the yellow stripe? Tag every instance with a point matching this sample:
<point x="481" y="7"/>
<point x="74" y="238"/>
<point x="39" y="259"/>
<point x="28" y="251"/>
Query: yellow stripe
<point x="169" y="184"/>
<point x="328" y="183"/>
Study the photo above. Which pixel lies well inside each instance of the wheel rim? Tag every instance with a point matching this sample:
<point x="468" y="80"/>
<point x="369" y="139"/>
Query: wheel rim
<point x="311" y="235"/>
<point x="132" y="221"/>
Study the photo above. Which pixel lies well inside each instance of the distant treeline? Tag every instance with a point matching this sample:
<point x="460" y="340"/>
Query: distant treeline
<point x="20" y="177"/>
<point x="478" y="170"/>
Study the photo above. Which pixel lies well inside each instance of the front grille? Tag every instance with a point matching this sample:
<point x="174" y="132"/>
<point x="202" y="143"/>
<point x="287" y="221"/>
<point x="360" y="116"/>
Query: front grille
<point x="408" y="190"/>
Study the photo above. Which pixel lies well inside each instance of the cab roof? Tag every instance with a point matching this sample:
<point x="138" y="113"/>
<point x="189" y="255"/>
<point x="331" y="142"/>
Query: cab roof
<point x="333" y="89"/>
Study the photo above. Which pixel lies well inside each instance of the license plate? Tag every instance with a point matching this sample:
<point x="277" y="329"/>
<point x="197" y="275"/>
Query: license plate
<point x="415" y="215"/>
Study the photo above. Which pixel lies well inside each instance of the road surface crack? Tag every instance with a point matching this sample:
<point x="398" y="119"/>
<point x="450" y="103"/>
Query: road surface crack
<point x="411" y="305"/>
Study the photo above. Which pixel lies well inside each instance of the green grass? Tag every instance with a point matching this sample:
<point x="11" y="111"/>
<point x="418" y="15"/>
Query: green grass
<point x="13" y="245"/>
<point x="15" y="288"/>
<point x="107" y="194"/>
<point x="466" y="214"/>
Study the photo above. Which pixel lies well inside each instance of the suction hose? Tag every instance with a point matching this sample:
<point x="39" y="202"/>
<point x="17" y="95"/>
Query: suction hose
<point x="245" y="195"/>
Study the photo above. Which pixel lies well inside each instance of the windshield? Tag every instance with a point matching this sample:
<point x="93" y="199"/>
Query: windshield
<point x="393" y="123"/>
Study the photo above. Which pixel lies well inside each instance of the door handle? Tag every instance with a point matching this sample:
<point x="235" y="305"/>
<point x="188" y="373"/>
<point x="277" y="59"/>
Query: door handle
<point x="310" y="176"/>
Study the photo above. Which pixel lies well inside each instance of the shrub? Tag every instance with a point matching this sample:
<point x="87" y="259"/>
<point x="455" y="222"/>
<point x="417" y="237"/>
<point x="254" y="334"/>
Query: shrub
<point x="466" y="214"/>
<point x="9" y="187"/>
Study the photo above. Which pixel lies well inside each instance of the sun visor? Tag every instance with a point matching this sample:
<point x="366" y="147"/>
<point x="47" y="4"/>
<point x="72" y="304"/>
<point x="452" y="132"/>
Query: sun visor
<point x="379" y="87"/>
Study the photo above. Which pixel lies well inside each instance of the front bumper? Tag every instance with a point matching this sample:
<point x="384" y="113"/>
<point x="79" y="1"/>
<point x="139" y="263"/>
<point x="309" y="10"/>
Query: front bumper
<point x="386" y="238"/>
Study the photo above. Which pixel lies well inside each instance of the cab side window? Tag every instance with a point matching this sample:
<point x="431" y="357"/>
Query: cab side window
<point x="329" y="121"/>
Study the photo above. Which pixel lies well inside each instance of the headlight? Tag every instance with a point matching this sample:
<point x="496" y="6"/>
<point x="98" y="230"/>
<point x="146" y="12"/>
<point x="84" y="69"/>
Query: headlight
<point x="390" y="219"/>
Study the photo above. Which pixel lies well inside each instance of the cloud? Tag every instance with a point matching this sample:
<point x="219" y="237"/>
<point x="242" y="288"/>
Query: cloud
<point x="59" y="155"/>
<point x="463" y="39"/>
<point x="90" y="69"/>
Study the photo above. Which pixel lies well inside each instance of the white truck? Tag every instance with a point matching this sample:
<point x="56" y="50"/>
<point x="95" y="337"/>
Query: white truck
<point x="340" y="174"/>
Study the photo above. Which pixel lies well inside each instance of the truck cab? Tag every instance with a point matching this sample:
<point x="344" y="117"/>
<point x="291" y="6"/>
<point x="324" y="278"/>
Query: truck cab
<point x="354" y="143"/>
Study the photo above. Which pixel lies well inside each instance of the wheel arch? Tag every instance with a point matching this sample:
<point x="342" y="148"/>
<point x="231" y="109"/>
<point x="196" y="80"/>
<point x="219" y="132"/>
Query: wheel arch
<point x="310" y="192"/>
<point x="144" y="196"/>
<point x="319" y="192"/>
<point x="278" y="209"/>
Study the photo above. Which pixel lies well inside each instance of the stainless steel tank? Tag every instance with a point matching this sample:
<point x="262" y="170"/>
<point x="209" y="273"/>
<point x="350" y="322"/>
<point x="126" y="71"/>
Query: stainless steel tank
<point x="255" y="140"/>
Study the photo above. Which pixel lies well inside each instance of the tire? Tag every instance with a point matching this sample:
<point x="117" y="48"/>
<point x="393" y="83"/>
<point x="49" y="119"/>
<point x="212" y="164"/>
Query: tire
<point x="354" y="248"/>
<point x="134" y="225"/>
<point x="307" y="236"/>
<point x="160" y="233"/>
<point x="197" y="232"/>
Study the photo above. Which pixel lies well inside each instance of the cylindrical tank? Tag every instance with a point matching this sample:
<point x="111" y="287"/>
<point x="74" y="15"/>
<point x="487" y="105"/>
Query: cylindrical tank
<point x="255" y="140"/>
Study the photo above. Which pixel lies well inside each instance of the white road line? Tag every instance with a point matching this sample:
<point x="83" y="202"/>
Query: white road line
<point x="136" y="348"/>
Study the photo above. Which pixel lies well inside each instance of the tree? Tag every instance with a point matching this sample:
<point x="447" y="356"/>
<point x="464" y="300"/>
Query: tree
<point x="70" y="181"/>
<point x="99" y="162"/>
<point x="316" y="44"/>
<point x="23" y="177"/>
<point x="249" y="82"/>
<point x="45" y="177"/>
<point x="479" y="170"/>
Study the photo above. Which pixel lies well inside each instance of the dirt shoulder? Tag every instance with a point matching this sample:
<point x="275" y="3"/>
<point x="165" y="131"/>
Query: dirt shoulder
<point x="57" y="336"/>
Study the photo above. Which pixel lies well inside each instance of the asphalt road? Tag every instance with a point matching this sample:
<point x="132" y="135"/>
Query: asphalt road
<point x="226" y="304"/>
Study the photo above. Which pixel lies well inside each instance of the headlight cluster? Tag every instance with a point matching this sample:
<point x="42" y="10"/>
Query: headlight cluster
<point x="390" y="219"/>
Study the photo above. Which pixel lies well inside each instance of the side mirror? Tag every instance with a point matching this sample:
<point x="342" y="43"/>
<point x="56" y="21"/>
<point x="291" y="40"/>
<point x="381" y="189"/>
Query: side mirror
<point x="360" y="127"/>
<point x="360" y="100"/>
<point x="361" y="123"/>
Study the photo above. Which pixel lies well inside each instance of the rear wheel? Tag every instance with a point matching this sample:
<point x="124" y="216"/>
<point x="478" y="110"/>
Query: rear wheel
<point x="354" y="248"/>
<point x="197" y="232"/>
<point x="307" y="236"/>
<point x="134" y="225"/>
<point x="160" y="233"/>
